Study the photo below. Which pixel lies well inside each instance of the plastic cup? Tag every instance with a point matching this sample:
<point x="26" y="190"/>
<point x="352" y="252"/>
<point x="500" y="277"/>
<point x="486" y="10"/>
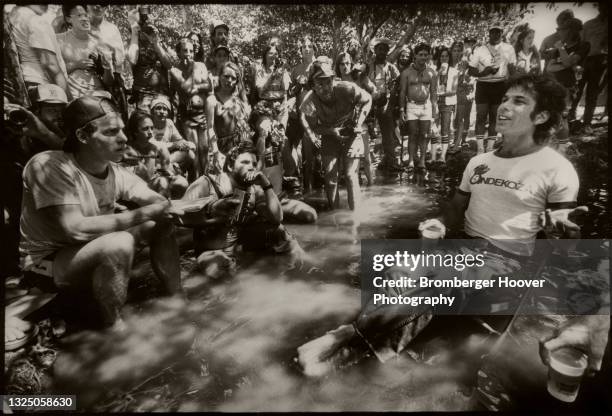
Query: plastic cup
<point x="430" y="236"/>
<point x="565" y="370"/>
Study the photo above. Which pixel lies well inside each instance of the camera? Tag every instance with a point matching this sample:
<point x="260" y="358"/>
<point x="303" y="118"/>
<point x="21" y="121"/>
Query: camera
<point x="17" y="117"/>
<point x="98" y="68"/>
<point x="144" y="22"/>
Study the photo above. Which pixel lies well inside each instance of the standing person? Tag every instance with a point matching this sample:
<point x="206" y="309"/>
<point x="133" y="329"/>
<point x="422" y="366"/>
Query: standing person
<point x="39" y="52"/>
<point x="227" y="114"/>
<point x="336" y="110"/>
<point x="447" y="99"/>
<point x="383" y="74"/>
<point x="527" y="55"/>
<point x="198" y="45"/>
<point x="571" y="53"/>
<point x="149" y="59"/>
<point x="404" y="59"/>
<point x="465" y="97"/>
<point x="272" y="85"/>
<point x="70" y="234"/>
<point x="86" y="66"/>
<point x="491" y="63"/>
<point x="346" y="71"/>
<point x="191" y="83"/>
<point x="547" y="48"/>
<point x="107" y="35"/>
<point x="219" y="36"/>
<point x="595" y="32"/>
<point x="419" y="103"/>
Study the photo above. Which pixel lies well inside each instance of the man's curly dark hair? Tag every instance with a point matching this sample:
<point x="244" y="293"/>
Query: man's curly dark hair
<point x="549" y="96"/>
<point x="234" y="152"/>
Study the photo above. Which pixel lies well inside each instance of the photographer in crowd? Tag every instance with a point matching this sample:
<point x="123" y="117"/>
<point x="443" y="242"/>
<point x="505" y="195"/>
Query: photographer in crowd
<point x="149" y="59"/>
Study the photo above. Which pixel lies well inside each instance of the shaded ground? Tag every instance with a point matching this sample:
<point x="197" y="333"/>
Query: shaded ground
<point x="232" y="347"/>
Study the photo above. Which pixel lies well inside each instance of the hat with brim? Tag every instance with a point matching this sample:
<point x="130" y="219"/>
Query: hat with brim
<point x="48" y="94"/>
<point x="321" y="68"/>
<point x="218" y="23"/>
<point x="496" y="27"/>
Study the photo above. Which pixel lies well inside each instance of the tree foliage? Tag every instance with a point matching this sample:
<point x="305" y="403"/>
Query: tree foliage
<point x="329" y="25"/>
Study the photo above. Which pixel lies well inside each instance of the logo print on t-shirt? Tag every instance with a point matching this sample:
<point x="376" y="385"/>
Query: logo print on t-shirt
<point x="479" y="178"/>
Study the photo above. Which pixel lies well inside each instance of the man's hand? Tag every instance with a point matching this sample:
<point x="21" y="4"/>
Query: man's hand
<point x="85" y="64"/>
<point x="34" y="127"/>
<point x="587" y="333"/>
<point x="257" y="178"/>
<point x="557" y="224"/>
<point x="316" y="141"/>
<point x="404" y="115"/>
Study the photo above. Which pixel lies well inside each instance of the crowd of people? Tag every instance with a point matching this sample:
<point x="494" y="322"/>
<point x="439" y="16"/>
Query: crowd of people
<point x="229" y="146"/>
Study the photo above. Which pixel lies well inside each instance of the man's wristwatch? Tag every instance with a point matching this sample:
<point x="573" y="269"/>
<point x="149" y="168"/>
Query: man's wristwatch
<point x="268" y="186"/>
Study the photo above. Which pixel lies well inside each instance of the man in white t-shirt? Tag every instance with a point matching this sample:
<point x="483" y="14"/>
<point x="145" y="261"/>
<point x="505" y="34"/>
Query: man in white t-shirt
<point x="491" y="63"/>
<point x="71" y="237"/>
<point x="39" y="52"/>
<point x="509" y="195"/>
<point x="505" y="197"/>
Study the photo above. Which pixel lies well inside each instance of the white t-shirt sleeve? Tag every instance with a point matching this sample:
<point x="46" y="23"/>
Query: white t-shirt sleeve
<point x="511" y="55"/>
<point x="130" y="187"/>
<point x="51" y="181"/>
<point x="40" y="36"/>
<point x="564" y="186"/>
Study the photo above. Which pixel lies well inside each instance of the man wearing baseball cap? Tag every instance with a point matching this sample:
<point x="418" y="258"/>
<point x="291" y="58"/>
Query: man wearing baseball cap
<point x="335" y="110"/>
<point x="491" y="63"/>
<point x="70" y="235"/>
<point x="26" y="133"/>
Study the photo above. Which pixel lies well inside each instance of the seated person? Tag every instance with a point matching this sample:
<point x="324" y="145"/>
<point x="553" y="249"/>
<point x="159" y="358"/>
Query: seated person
<point x="150" y="159"/>
<point x="182" y="152"/>
<point x="538" y="192"/>
<point x="70" y="235"/>
<point x="258" y="224"/>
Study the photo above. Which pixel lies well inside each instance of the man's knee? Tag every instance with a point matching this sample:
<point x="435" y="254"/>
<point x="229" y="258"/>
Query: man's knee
<point x="118" y="248"/>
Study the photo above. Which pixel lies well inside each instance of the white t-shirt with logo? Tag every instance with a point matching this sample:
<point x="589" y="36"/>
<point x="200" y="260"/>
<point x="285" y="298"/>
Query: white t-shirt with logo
<point x="499" y="55"/>
<point x="508" y="195"/>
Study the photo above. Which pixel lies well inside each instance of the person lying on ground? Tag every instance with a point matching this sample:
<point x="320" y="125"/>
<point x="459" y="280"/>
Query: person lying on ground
<point x="70" y="235"/>
<point x="150" y="159"/>
<point x="256" y="223"/>
<point x="505" y="198"/>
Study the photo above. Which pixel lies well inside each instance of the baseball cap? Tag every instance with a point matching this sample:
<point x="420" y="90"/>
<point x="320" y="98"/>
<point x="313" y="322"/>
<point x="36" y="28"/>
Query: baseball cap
<point x="48" y="93"/>
<point x="217" y="23"/>
<point x="496" y="27"/>
<point x="86" y="109"/>
<point x="321" y="68"/>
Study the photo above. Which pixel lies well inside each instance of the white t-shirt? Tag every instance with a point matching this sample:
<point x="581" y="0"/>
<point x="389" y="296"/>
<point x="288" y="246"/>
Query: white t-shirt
<point x="508" y="194"/>
<point x="32" y="32"/>
<point x="501" y="55"/>
<point x="53" y="178"/>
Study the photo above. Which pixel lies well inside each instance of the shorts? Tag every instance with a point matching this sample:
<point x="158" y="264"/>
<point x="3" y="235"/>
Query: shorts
<point x="420" y="112"/>
<point x="331" y="146"/>
<point x="490" y="92"/>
